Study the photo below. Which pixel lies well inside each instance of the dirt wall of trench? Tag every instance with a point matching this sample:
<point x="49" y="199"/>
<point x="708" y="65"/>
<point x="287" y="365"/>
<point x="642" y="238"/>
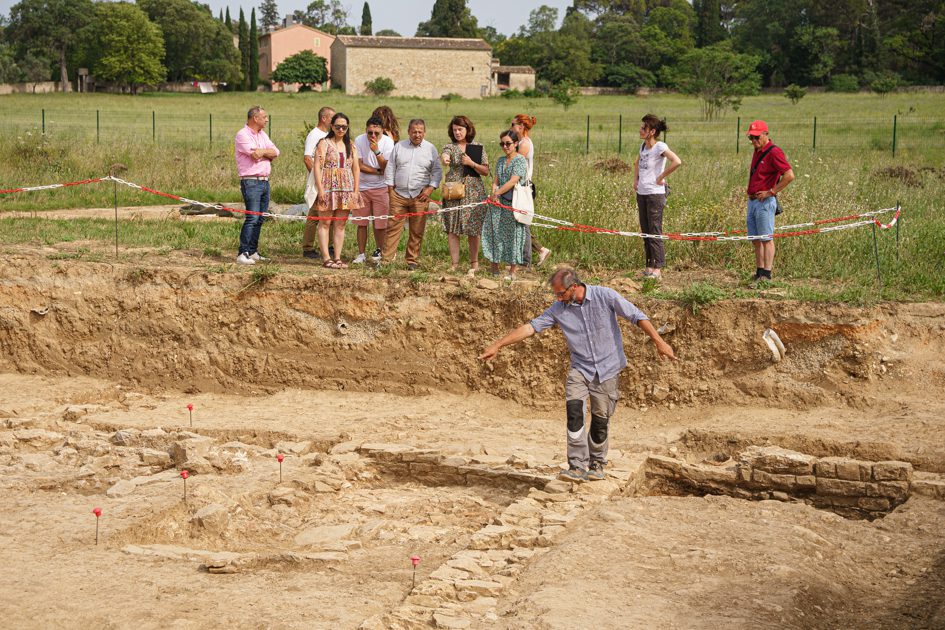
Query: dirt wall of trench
<point x="197" y="330"/>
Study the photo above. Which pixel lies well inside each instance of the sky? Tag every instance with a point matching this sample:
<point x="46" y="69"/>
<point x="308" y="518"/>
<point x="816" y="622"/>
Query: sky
<point x="400" y="15"/>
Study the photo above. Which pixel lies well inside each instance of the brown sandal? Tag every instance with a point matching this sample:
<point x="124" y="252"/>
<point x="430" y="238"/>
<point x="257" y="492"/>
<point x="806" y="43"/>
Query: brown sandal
<point x="339" y="264"/>
<point x="329" y="264"/>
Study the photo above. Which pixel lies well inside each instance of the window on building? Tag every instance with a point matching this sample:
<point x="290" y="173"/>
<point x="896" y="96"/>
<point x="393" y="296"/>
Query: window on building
<point x="315" y="42"/>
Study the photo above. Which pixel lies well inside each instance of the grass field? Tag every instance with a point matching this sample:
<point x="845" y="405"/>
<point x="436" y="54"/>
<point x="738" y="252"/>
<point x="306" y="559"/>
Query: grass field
<point x="851" y="170"/>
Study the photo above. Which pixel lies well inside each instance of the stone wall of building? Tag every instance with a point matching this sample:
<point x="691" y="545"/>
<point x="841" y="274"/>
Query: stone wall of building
<point x="423" y="73"/>
<point x="847" y="486"/>
<point x="521" y="81"/>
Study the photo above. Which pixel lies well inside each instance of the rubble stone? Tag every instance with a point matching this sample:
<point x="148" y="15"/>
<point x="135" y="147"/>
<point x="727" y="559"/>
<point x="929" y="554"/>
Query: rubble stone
<point x="214" y="518"/>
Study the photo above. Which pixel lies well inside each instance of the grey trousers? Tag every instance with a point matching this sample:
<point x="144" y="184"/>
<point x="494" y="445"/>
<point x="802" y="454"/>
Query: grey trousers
<point x="587" y="446"/>
<point x="650" y="209"/>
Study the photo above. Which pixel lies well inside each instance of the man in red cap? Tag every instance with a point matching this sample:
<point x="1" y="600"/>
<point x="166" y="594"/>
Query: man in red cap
<point x="770" y="174"/>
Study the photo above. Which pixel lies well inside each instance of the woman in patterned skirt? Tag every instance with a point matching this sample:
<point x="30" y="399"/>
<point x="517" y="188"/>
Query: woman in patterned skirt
<point x="503" y="238"/>
<point x="468" y="221"/>
<point x="336" y="176"/>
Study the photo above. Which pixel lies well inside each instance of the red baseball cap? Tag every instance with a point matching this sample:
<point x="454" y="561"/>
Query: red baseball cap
<point x="757" y="128"/>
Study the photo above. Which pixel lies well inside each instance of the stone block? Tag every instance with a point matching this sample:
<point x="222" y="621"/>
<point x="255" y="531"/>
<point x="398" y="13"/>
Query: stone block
<point x="154" y="457"/>
<point x="294" y="448"/>
<point x="873" y="504"/>
<point x="187" y="450"/>
<point x="324" y="535"/>
<point x="214" y="518"/>
<point x="773" y="481"/>
<point x="839" y="487"/>
<point x="451" y="621"/>
<point x="777" y="460"/>
<point x="659" y="466"/>
<point x="850" y="470"/>
<point x="422" y="455"/>
<point x="37" y="437"/>
<point x="806" y="482"/>
<point x="743" y="473"/>
<point x="558" y="487"/>
<point x="896" y="490"/>
<point x="932" y="488"/>
<point x="124" y="437"/>
<point x="826" y="468"/>
<point x="710" y="475"/>
<point x="892" y="471"/>
<point x="481" y="587"/>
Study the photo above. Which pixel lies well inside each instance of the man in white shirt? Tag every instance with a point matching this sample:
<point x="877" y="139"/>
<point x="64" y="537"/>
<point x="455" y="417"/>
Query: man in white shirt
<point x="318" y="132"/>
<point x="374" y="149"/>
<point x="413" y="173"/>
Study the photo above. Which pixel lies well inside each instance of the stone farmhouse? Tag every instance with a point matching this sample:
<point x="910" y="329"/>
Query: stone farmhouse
<point x="276" y="45"/>
<point x="425" y="67"/>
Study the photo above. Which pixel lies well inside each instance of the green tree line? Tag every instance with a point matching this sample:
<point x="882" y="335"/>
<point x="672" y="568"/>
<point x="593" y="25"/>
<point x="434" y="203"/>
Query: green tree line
<point x="129" y="44"/>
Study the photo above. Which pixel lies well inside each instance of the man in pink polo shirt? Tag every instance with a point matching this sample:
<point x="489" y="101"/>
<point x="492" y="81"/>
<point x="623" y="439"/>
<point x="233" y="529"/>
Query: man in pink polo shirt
<point x="254" y="155"/>
<point x="770" y="174"/>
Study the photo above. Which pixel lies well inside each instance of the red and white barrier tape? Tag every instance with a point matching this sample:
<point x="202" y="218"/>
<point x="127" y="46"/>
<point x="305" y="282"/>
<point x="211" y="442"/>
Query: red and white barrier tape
<point x="552" y="222"/>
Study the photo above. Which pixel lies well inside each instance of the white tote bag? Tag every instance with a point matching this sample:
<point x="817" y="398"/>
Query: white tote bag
<point x="311" y="191"/>
<point x="524" y="203"/>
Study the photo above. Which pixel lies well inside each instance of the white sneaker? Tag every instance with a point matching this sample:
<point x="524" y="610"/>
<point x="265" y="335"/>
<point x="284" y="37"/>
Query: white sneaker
<point x="243" y="259"/>
<point x="359" y="260"/>
<point x="259" y="258"/>
<point x="543" y="254"/>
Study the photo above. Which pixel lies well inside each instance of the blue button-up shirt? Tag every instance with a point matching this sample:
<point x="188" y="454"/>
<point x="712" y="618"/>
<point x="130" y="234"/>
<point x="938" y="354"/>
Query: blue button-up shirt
<point x="591" y="331"/>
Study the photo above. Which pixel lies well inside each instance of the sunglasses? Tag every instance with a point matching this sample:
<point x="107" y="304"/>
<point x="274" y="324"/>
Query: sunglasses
<point x="374" y="133"/>
<point x="506" y="144"/>
<point x="754" y="137"/>
<point x="340" y="127"/>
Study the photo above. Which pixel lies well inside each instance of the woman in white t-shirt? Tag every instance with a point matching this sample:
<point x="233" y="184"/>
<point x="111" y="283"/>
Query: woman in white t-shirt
<point x="650" y="170"/>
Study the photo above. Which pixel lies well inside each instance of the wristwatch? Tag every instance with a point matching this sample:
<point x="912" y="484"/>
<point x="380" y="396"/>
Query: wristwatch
<point x="377" y="152"/>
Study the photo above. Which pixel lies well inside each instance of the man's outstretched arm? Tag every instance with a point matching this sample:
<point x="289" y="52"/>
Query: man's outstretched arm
<point x="513" y="336"/>
<point x="663" y="349"/>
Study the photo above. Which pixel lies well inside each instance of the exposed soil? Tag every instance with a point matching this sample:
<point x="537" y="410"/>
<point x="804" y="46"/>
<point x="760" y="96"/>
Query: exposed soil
<point x="97" y="356"/>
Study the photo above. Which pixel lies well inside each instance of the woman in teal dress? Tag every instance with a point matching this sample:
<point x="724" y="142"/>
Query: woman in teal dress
<point x="503" y="238"/>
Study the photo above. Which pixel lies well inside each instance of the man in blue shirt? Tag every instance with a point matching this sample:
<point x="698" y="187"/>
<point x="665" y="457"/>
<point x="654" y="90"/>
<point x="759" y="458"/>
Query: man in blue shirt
<point x="587" y="315"/>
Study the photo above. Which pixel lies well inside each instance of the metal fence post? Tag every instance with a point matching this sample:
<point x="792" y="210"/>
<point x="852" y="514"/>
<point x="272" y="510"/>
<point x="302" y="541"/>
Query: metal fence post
<point x="815" y="133"/>
<point x="620" y="136"/>
<point x="211" y="127"/>
<point x="153" y="126"/>
<point x="587" y="139"/>
<point x="270" y="127"/>
<point x="895" y="117"/>
<point x="98" y="128"/>
<point x="44" y="121"/>
<point x="738" y="133"/>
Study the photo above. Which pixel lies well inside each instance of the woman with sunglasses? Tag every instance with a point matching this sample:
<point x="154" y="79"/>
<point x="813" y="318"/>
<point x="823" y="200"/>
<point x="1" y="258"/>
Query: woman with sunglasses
<point x="522" y="125"/>
<point x="462" y="168"/>
<point x="650" y="170"/>
<point x="337" y="178"/>
<point x="503" y="238"/>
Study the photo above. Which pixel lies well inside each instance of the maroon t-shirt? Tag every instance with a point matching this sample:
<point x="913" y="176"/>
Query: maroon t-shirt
<point x="769" y="170"/>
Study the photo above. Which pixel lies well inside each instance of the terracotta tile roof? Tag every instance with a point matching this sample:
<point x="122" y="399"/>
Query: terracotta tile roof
<point x="514" y="69"/>
<point x="437" y="43"/>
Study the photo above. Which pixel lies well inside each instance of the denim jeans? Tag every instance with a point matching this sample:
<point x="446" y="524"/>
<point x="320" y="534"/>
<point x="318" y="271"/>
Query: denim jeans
<point x="256" y="197"/>
<point x="760" y="218"/>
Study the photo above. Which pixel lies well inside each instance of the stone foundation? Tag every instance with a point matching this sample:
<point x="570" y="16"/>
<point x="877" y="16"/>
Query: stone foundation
<point x="850" y="487"/>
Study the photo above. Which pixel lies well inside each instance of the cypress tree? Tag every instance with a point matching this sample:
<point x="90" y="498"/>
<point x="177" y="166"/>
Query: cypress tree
<point x="243" y="35"/>
<point x="228" y="21"/>
<point x="253" y="52"/>
<point x="367" y="28"/>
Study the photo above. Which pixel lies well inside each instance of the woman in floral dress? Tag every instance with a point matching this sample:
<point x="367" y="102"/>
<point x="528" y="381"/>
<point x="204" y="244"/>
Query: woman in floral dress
<point x="468" y="221"/>
<point x="336" y="177"/>
<point x="503" y="238"/>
